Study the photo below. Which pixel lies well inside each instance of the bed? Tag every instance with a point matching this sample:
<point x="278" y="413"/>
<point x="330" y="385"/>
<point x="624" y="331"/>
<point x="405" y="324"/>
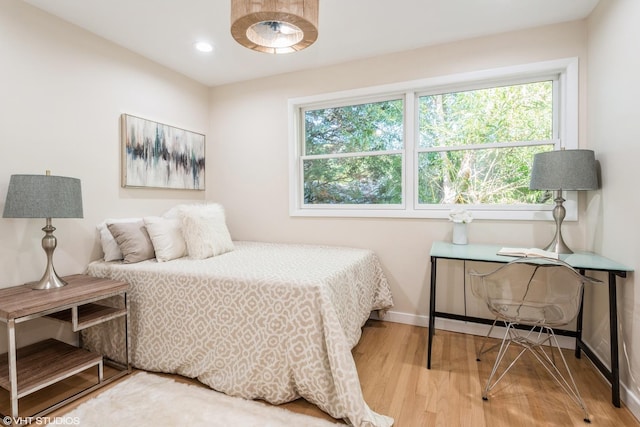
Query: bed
<point x="265" y="321"/>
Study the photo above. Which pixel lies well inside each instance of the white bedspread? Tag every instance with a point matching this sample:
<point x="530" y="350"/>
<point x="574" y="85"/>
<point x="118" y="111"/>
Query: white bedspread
<point x="265" y="321"/>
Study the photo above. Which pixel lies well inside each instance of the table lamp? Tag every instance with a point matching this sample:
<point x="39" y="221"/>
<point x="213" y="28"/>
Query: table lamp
<point x="563" y="170"/>
<point x="44" y="196"/>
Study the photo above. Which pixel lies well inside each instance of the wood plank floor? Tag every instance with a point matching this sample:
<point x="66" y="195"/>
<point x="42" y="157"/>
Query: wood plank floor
<point x="391" y="360"/>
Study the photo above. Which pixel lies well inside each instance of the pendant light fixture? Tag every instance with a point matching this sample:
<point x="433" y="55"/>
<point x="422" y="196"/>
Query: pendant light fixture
<point x="274" y="26"/>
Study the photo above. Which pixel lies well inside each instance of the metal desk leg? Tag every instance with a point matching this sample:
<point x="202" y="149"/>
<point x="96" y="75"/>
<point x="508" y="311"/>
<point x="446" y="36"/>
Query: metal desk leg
<point x="13" y="372"/>
<point x="432" y="310"/>
<point x="613" y="326"/>
<point x="579" y="323"/>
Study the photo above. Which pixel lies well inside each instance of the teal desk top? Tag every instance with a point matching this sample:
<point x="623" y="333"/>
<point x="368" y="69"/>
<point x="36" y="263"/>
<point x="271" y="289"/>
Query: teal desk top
<point x="489" y="253"/>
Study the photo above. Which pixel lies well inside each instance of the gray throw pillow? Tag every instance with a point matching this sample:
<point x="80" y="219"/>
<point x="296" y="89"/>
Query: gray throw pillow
<point x="133" y="240"/>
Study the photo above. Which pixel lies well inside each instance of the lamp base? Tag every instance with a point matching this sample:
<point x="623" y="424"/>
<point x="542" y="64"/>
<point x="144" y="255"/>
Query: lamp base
<point x="558" y="245"/>
<point x="48" y="282"/>
<point x="50" y="279"/>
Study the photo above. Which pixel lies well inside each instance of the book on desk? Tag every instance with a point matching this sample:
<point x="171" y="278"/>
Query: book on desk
<point x="528" y="253"/>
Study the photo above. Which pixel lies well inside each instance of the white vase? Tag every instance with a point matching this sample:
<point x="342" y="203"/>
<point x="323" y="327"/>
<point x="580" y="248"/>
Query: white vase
<point x="459" y="233"/>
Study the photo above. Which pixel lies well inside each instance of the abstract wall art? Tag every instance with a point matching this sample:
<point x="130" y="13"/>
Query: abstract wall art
<point x="161" y="156"/>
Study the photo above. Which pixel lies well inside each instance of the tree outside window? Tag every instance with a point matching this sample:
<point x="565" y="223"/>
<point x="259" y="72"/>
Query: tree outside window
<point x="418" y="149"/>
<point x="353" y="154"/>
<point x="476" y="147"/>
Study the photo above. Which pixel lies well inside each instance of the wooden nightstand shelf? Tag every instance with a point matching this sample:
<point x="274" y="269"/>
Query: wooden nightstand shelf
<point x="81" y="304"/>
<point x="87" y="315"/>
<point x="46" y="362"/>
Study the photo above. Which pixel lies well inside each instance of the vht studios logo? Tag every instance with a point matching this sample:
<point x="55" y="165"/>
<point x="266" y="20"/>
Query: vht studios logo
<point x="70" y="421"/>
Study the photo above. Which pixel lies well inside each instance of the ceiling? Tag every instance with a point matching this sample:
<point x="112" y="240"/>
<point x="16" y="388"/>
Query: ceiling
<point x="165" y="30"/>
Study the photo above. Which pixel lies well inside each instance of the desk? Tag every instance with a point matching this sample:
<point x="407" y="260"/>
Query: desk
<point x="580" y="261"/>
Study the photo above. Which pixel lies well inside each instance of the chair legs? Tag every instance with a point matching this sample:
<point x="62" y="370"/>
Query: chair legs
<point x="484" y="341"/>
<point x="535" y="341"/>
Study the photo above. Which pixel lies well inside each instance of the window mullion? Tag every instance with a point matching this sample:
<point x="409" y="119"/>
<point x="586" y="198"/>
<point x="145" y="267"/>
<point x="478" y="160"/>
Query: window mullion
<point x="488" y="146"/>
<point x="347" y="155"/>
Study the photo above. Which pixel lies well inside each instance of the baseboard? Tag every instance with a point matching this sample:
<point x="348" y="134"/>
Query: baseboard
<point x="405" y="318"/>
<point x="457" y="326"/>
<point x="627" y="396"/>
<point x="630" y="399"/>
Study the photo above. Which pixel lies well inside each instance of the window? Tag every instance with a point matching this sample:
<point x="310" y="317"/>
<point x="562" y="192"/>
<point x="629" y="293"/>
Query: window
<point x="475" y="147"/>
<point x="419" y="148"/>
<point x="353" y="154"/>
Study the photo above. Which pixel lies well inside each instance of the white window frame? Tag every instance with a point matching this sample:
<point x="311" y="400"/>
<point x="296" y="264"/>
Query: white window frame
<point x="564" y="71"/>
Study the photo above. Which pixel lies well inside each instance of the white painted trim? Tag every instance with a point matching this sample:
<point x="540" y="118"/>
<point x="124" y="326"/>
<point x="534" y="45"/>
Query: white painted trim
<point x="627" y="395"/>
<point x="518" y="72"/>
<point x="404" y="318"/>
<point x="457" y="326"/>
<point x="630" y="400"/>
<point x="295" y="172"/>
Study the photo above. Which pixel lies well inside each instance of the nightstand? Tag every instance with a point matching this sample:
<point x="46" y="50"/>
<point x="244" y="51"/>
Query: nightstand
<point x="84" y="302"/>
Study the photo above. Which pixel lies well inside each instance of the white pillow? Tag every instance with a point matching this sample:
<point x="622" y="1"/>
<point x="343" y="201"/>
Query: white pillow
<point x="166" y="236"/>
<point x="176" y="211"/>
<point x="109" y="245"/>
<point x="205" y="231"/>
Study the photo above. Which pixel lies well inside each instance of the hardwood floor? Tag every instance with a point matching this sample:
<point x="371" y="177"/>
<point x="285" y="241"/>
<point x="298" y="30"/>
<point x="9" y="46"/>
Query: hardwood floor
<point x="391" y="361"/>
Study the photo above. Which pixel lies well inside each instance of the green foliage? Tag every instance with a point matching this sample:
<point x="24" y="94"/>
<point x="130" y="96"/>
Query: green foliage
<point x="487" y="116"/>
<point x="348" y="159"/>
<point x="366" y="179"/>
<point x="500" y="115"/>
<point x="490" y="176"/>
<point x="354" y="180"/>
<point x="376" y="126"/>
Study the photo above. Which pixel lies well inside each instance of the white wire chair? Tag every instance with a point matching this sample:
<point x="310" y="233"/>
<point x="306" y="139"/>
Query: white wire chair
<point x="542" y="294"/>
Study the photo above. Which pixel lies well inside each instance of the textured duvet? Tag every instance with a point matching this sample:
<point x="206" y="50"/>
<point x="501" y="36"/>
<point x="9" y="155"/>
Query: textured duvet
<point x="265" y="321"/>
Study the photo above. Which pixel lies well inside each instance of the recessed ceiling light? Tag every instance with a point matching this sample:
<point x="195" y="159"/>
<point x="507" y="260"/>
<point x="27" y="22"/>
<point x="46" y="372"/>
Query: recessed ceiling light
<point x="203" y="47"/>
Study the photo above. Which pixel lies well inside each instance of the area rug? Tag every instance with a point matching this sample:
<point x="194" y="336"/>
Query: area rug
<point x="146" y="399"/>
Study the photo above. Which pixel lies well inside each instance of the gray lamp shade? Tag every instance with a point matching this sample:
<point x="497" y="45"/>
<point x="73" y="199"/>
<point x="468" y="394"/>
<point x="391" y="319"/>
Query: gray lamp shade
<point x="43" y="196"/>
<point x="564" y="170"/>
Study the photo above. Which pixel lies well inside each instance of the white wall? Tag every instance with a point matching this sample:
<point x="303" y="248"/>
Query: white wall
<point x="62" y="92"/>
<point x="250" y="154"/>
<point x="613" y="94"/>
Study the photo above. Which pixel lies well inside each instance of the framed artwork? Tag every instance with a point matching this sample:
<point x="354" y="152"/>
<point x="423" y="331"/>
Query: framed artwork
<point x="156" y="155"/>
